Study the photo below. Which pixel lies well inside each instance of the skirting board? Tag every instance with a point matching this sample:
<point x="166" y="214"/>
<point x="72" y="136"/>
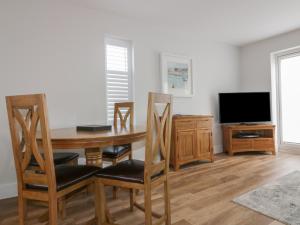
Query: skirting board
<point x="218" y="149"/>
<point x="10" y="190"/>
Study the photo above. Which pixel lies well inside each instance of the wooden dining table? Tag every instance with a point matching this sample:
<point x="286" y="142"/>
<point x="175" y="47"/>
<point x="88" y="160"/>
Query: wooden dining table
<point x="93" y="141"/>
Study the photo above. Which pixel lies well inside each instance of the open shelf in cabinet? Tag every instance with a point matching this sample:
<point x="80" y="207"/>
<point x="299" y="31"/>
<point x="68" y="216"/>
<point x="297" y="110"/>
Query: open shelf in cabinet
<point x="242" y="138"/>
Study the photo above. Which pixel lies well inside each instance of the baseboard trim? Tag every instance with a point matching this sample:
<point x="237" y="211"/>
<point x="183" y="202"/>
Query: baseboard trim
<point x="8" y="190"/>
<point x="289" y="151"/>
<point x="218" y="149"/>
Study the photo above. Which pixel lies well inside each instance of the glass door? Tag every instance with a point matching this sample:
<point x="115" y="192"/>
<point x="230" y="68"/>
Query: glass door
<point x="289" y="97"/>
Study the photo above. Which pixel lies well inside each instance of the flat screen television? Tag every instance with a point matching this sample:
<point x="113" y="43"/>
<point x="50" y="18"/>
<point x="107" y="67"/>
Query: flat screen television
<point x="245" y="107"/>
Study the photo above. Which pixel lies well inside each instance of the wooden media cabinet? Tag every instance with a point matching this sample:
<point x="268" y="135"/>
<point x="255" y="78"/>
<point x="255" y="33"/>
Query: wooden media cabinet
<point x="244" y="138"/>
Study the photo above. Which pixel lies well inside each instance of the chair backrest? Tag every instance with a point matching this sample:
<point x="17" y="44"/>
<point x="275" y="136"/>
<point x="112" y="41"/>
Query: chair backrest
<point x="123" y="111"/>
<point x="158" y="138"/>
<point x="30" y="135"/>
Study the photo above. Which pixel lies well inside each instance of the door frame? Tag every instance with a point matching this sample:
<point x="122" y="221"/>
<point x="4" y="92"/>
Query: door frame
<point x="276" y="58"/>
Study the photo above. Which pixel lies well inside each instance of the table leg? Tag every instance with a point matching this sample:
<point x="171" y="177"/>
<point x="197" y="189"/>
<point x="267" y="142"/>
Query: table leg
<point x="93" y="156"/>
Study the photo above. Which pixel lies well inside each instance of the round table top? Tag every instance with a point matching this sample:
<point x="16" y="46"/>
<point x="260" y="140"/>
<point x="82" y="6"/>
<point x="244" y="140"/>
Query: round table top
<point x="68" y="138"/>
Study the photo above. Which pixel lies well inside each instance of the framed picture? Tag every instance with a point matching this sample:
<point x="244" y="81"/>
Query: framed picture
<point x="176" y="73"/>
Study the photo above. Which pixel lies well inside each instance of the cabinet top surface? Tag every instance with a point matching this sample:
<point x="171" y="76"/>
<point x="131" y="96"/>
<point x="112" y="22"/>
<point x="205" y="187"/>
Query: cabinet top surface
<point x="245" y="127"/>
<point x="178" y="116"/>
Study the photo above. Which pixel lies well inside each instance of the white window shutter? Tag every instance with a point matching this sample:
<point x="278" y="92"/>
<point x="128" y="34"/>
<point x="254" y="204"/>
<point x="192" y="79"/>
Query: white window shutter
<point x="118" y="73"/>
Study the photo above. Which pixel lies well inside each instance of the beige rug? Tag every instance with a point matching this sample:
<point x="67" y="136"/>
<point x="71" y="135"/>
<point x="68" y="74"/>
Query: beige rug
<point x="279" y="200"/>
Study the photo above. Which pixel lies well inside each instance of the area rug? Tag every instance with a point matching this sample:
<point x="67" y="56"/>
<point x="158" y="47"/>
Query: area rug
<point x="279" y="200"/>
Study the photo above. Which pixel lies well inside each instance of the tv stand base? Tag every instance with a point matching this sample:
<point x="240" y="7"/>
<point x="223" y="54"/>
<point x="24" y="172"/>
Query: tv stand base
<point x="263" y="140"/>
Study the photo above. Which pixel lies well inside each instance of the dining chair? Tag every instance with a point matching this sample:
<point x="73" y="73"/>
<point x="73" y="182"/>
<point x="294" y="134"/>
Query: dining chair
<point x="114" y="154"/>
<point x="59" y="158"/>
<point x="144" y="175"/>
<point x="45" y="182"/>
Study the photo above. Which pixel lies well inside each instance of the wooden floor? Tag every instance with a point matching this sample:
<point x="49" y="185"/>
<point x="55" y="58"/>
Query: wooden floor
<point x="200" y="194"/>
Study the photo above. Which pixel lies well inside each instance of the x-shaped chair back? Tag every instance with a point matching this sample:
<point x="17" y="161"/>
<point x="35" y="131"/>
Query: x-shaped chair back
<point x="27" y="117"/>
<point x="159" y="120"/>
<point x="124" y="111"/>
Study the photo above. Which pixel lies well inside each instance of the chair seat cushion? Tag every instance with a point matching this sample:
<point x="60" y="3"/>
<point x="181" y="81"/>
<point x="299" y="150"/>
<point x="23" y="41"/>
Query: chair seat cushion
<point x="59" y="158"/>
<point x="68" y="175"/>
<point x="129" y="170"/>
<point x="115" y="151"/>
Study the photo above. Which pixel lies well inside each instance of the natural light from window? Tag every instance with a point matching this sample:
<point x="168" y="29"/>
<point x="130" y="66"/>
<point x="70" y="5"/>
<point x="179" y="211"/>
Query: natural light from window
<point x="118" y="73"/>
<point x="290" y="98"/>
<point x="117" y="58"/>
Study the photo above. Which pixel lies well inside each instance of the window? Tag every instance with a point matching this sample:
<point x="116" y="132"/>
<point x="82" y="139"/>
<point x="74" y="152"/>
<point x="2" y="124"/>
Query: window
<point x="118" y="55"/>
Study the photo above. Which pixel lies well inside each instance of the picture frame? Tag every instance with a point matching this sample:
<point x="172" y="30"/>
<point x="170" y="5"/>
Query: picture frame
<point x="176" y="75"/>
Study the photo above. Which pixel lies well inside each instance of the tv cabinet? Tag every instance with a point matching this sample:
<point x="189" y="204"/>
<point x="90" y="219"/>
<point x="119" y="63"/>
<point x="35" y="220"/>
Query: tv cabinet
<point x="244" y="138"/>
<point x="191" y="139"/>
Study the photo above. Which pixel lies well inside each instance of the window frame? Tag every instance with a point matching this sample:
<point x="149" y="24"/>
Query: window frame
<point x="121" y="42"/>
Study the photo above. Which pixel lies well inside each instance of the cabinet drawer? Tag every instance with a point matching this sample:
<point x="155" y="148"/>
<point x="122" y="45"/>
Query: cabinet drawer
<point x="262" y="144"/>
<point x="185" y="125"/>
<point x="242" y="144"/>
<point x="204" y="124"/>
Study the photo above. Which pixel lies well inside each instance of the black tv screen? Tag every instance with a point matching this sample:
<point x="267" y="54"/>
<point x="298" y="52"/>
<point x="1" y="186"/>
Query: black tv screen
<point x="244" y="107"/>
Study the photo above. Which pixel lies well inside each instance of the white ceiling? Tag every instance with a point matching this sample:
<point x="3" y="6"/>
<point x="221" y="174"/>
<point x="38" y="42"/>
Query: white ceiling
<point x="237" y="22"/>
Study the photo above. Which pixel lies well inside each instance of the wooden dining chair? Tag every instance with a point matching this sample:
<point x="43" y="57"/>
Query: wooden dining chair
<point x="148" y="174"/>
<point x="123" y="112"/>
<point x="45" y="182"/>
<point x="59" y="158"/>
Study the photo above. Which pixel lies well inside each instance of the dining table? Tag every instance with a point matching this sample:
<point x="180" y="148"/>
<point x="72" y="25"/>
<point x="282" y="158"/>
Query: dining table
<point x="93" y="141"/>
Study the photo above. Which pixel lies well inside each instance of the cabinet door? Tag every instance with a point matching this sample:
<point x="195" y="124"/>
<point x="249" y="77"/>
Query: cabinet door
<point x="204" y="142"/>
<point x="186" y="145"/>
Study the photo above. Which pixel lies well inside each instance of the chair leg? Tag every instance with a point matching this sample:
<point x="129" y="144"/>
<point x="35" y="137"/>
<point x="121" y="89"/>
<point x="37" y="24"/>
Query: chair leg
<point x="130" y="153"/>
<point x="22" y="204"/>
<point x="53" y="217"/>
<point x="133" y="192"/>
<point x="167" y="202"/>
<point x="148" y="205"/>
<point x="62" y="207"/>
<point x="132" y="199"/>
<point x="115" y="189"/>
<point x="102" y="217"/>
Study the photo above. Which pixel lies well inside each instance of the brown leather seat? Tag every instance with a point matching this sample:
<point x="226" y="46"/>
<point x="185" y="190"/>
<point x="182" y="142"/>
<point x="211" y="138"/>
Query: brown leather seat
<point x="59" y="158"/>
<point x="130" y="170"/>
<point x="115" y="151"/>
<point x="67" y="175"/>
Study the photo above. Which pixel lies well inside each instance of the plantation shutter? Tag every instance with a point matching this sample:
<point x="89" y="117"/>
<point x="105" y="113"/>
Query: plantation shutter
<point x="118" y="73"/>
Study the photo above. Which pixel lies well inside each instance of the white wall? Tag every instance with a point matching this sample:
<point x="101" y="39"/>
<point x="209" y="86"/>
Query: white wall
<point x="257" y="73"/>
<point x="57" y="48"/>
<point x="255" y="60"/>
